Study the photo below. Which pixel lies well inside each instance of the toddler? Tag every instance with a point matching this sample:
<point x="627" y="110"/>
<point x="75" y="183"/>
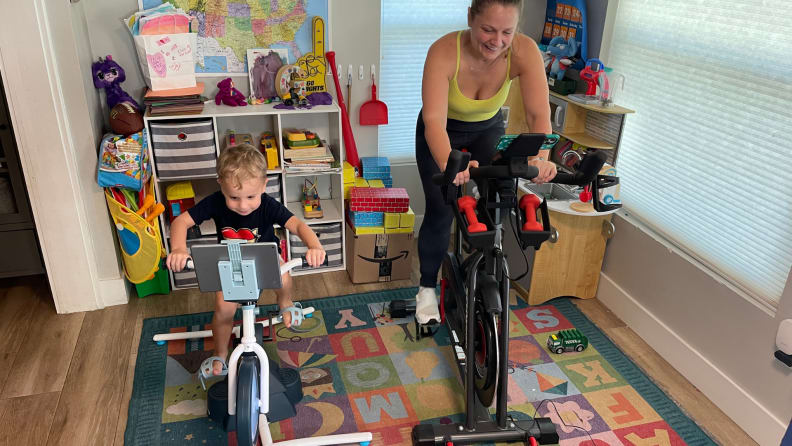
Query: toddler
<point x="241" y="210"/>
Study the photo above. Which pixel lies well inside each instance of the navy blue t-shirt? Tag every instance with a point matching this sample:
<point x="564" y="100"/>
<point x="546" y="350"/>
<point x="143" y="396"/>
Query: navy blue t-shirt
<point x="254" y="227"/>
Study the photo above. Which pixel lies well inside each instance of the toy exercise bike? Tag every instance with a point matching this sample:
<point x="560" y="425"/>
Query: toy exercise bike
<point x="474" y="299"/>
<point x="241" y="271"/>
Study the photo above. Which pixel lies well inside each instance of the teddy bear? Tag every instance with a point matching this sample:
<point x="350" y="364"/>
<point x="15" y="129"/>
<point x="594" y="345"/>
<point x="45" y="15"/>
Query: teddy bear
<point x="229" y="95"/>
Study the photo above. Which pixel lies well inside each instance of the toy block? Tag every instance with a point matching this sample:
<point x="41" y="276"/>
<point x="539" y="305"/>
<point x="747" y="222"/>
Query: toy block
<point x="349" y="173"/>
<point x="376" y="183"/>
<point x="371" y="199"/>
<point x="398" y="230"/>
<point x="359" y="218"/>
<point x="347" y="188"/>
<point x="375" y="167"/>
<point x="388" y="182"/>
<point x="391" y="220"/>
<point x="407" y="219"/>
<point x="361" y="182"/>
<point x="369" y="230"/>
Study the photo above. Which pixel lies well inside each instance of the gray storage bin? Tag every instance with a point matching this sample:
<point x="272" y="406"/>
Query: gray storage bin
<point x="274" y="187"/>
<point x="184" y="149"/>
<point x="329" y="236"/>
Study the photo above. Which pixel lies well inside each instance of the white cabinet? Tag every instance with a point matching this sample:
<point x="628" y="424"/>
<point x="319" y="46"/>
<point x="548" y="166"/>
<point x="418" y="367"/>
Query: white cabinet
<point x="324" y="120"/>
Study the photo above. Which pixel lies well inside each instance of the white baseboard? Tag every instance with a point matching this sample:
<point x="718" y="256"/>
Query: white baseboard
<point x="113" y="292"/>
<point x="732" y="399"/>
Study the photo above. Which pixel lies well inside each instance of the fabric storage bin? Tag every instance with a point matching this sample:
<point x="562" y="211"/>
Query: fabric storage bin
<point x="184" y="149"/>
<point x="330" y="238"/>
<point x="186" y="278"/>
<point x="273" y="187"/>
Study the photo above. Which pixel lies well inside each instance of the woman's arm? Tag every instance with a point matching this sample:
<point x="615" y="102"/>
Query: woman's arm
<point x="533" y="85"/>
<point x="434" y="92"/>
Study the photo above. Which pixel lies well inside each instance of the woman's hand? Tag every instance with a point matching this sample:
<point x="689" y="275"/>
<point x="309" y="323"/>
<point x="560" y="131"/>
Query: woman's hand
<point x="177" y="259"/>
<point x="464" y="176"/>
<point x="547" y="170"/>
<point x="315" y="257"/>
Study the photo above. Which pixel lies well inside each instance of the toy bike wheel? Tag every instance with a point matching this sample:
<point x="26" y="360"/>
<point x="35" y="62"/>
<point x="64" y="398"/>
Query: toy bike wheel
<point x="247" y="408"/>
<point x="486" y="355"/>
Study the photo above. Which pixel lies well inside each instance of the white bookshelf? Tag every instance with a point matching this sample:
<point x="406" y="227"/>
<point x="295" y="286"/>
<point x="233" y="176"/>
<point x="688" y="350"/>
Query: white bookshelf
<point x="324" y="120"/>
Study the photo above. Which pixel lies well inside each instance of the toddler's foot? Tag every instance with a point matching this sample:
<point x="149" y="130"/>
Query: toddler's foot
<point x="426" y="308"/>
<point x="287" y="317"/>
<point x="217" y="367"/>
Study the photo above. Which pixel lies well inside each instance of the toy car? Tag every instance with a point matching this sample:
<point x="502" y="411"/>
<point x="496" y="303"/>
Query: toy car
<point x="567" y="341"/>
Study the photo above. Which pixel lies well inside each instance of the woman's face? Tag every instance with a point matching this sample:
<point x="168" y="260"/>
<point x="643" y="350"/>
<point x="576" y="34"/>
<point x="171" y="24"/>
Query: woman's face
<point x="492" y="30"/>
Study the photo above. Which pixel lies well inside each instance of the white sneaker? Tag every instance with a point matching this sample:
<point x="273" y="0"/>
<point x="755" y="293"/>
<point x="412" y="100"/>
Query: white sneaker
<point x="426" y="305"/>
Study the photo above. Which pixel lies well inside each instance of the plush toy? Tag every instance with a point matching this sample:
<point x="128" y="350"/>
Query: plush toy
<point x="560" y="52"/>
<point x="229" y="95"/>
<point x="108" y="74"/>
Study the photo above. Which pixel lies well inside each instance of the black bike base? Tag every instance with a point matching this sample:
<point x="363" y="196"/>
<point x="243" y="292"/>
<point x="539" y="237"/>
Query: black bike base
<point x="542" y="429"/>
<point x="426" y="330"/>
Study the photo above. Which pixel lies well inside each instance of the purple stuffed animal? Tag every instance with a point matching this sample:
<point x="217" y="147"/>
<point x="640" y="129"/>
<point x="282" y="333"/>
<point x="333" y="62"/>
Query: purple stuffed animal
<point x="229" y="95"/>
<point x="108" y="74"/>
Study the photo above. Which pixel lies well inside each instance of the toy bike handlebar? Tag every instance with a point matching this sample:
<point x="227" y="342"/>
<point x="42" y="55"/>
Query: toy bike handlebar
<point x="458" y="161"/>
<point x="285" y="268"/>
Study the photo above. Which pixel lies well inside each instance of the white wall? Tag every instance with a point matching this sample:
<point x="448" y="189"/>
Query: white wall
<point x="709" y="332"/>
<point x="56" y="137"/>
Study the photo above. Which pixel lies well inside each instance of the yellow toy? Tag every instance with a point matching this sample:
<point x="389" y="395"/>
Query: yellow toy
<point x="269" y="148"/>
<point x="139" y="236"/>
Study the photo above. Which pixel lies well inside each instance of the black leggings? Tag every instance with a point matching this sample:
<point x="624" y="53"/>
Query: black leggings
<point x="480" y="139"/>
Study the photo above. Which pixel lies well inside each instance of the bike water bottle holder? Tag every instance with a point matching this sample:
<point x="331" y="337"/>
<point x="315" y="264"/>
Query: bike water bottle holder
<point x="237" y="276"/>
<point x="600" y="202"/>
<point x="534" y="238"/>
<point x="476" y="240"/>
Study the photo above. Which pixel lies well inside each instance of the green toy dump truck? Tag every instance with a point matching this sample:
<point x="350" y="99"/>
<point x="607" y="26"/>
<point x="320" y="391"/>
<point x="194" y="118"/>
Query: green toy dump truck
<point x="566" y="341"/>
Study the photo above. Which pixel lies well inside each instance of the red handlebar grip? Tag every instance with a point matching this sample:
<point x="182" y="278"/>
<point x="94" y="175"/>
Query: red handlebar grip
<point x="467" y="204"/>
<point x="529" y="203"/>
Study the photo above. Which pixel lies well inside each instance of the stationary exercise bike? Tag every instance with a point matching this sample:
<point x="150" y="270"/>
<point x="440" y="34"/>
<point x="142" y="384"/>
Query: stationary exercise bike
<point x="241" y="271"/>
<point x="474" y="300"/>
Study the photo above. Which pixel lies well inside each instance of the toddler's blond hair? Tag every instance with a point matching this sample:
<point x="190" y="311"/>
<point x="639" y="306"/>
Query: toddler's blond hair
<point x="240" y="163"/>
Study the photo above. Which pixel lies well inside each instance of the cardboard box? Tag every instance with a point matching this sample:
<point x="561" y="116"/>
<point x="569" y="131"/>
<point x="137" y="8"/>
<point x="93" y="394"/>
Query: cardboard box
<point x="378" y="257"/>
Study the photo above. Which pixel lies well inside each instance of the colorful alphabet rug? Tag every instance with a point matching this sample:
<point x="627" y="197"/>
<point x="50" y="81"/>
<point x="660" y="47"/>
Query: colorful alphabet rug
<point x="363" y="371"/>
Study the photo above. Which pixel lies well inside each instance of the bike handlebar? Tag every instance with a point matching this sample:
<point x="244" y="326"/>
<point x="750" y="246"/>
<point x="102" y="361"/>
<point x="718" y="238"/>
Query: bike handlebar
<point x="285" y="268"/>
<point x="458" y="161"/>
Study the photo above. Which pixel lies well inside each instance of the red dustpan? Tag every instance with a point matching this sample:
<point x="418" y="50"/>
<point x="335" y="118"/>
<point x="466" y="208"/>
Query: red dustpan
<point x="373" y="112"/>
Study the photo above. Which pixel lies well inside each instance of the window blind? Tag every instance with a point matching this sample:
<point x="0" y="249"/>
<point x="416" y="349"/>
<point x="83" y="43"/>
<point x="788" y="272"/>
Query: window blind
<point x="408" y="28"/>
<point x="707" y="160"/>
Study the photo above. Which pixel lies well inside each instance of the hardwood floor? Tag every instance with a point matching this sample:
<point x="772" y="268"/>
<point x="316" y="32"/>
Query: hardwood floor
<point x="67" y="379"/>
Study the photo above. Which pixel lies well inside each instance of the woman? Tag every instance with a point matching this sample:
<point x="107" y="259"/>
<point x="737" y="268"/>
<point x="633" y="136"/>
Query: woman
<point x="466" y="80"/>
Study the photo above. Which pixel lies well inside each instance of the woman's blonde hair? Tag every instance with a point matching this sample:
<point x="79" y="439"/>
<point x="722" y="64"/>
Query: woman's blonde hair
<point x="240" y="163"/>
<point x="476" y="6"/>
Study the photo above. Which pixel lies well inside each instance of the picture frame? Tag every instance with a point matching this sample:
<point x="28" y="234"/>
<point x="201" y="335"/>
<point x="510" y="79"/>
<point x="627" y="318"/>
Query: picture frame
<point x="262" y="70"/>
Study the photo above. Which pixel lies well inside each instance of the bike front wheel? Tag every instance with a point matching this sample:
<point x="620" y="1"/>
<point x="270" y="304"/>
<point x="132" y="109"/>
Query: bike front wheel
<point x="247" y="401"/>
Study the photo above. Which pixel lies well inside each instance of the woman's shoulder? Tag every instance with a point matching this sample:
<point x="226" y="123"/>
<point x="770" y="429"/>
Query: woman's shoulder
<point x="524" y="50"/>
<point x="445" y="44"/>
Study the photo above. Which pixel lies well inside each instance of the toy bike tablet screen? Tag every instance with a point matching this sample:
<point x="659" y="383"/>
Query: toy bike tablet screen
<point x="265" y="255"/>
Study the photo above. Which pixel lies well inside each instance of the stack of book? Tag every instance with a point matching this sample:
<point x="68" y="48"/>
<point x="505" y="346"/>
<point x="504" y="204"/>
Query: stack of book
<point x="303" y="151"/>
<point x="181" y="101"/>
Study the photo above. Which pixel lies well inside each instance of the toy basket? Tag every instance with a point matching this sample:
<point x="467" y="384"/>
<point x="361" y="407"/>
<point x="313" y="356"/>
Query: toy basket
<point x="141" y="242"/>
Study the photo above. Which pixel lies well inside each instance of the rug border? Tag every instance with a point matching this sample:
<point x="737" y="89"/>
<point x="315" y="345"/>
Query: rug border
<point x="147" y="417"/>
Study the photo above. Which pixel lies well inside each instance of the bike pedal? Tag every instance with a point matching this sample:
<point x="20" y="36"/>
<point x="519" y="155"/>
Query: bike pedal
<point x="426" y="330"/>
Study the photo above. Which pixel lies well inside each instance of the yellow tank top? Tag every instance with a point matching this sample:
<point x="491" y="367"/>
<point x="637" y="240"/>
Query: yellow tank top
<point x="465" y="109"/>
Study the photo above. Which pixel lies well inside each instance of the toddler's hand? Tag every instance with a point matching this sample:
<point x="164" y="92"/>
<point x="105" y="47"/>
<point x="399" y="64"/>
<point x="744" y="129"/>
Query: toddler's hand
<point x="315" y="257"/>
<point x="177" y="259"/>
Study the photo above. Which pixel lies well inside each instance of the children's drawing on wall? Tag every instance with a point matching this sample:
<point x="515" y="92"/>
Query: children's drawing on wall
<point x="263" y="66"/>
